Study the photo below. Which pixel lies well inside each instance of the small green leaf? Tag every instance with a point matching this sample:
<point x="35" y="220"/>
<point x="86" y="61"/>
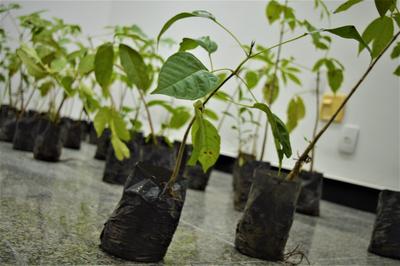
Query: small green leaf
<point x="86" y="65"/>
<point x="58" y="64"/>
<point x="120" y="149"/>
<point x="183" y="15"/>
<point x="273" y="11"/>
<point x="183" y="76"/>
<point x="251" y="79"/>
<point x="101" y="119"/>
<point x="45" y="88"/>
<point x="179" y="118"/>
<point x="346" y="5"/>
<point x="295" y="112"/>
<point x="103" y="64"/>
<point x="271" y="91"/>
<point x="350" y="32"/>
<point x="397" y="71"/>
<point x="396" y="51"/>
<point x="335" y="79"/>
<point x="118" y="126"/>
<point x="383" y="6"/>
<point x="210" y="114"/>
<point x="134" y="67"/>
<point x="379" y="32"/>
<point x="222" y="96"/>
<point x="205" y="42"/>
<point x="279" y="132"/>
<point x="34" y="69"/>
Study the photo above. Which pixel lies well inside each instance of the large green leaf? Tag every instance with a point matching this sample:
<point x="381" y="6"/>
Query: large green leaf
<point x="379" y="32"/>
<point x="134" y="67"/>
<point x="183" y="15"/>
<point x="205" y="42"/>
<point x="279" y="132"/>
<point x="183" y="76"/>
<point x="86" y="65"/>
<point x="103" y="65"/>
<point x="350" y="32"/>
<point x="346" y="5"/>
<point x="383" y="6"/>
<point x="273" y="11"/>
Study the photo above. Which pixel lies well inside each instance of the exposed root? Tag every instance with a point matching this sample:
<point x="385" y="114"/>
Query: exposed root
<point x="295" y="253"/>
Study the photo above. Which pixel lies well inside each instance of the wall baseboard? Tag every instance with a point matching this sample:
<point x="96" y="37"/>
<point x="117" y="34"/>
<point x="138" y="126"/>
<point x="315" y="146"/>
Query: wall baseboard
<point x="343" y="193"/>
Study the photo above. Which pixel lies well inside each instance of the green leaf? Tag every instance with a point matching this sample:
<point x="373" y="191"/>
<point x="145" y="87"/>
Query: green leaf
<point x="397" y="71"/>
<point x="206" y="143"/>
<point x="205" y="42"/>
<point x="86" y="65"/>
<point x="271" y="91"/>
<point x="183" y="15"/>
<point x="134" y="67"/>
<point x="279" y="132"/>
<point x="350" y="32"/>
<point x="273" y="11"/>
<point x="251" y="79"/>
<point x="396" y="51"/>
<point x="179" y="118"/>
<point x="295" y="112"/>
<point x="379" y="32"/>
<point x="101" y="119"/>
<point x="183" y="76"/>
<point x="103" y="65"/>
<point x="118" y="126"/>
<point x="33" y="68"/>
<point x="335" y="79"/>
<point x="294" y="78"/>
<point x="222" y="96"/>
<point x="45" y="88"/>
<point x="210" y="114"/>
<point x="120" y="149"/>
<point x="383" y="6"/>
<point x="58" y="64"/>
<point x="346" y="5"/>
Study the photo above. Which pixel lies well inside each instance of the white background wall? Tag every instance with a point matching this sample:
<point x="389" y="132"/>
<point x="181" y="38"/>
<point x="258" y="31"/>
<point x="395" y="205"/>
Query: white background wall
<point x="375" y="108"/>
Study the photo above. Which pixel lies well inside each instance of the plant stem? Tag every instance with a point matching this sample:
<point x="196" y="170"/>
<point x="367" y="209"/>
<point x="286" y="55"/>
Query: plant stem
<point x="304" y="156"/>
<point x="59" y="108"/>
<point x="153" y="135"/>
<point x="10" y="92"/>
<point x="28" y="101"/>
<point x="317" y="88"/>
<point x="271" y="96"/>
<point x="233" y="36"/>
<point x="121" y="101"/>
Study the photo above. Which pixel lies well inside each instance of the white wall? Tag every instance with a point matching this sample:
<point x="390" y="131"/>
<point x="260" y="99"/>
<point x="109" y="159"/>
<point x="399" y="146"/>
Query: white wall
<point x="375" y="108"/>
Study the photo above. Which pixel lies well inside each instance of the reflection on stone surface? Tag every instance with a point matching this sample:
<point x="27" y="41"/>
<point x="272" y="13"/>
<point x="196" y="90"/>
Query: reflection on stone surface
<point x="53" y="213"/>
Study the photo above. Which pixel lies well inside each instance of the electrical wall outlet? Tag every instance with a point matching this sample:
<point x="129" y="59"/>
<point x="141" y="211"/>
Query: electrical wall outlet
<point x="348" y="139"/>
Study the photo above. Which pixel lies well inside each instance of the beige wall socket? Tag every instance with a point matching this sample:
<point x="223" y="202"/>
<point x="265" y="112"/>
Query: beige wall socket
<point x="329" y="104"/>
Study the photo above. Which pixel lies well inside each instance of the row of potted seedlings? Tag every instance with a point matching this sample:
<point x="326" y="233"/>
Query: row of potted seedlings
<point x="155" y="172"/>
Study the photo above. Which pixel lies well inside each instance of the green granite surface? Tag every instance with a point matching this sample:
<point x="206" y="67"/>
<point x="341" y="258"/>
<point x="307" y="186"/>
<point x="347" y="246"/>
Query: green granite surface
<point x="53" y="213"/>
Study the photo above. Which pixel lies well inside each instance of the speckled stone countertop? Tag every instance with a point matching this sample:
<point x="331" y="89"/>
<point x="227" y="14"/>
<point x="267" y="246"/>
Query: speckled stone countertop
<point x="53" y="213"/>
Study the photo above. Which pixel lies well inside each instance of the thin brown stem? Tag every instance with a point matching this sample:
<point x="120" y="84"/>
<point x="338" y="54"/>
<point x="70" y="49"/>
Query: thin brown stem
<point x="153" y="135"/>
<point x="28" y="101"/>
<point x="57" y="116"/>
<point x="304" y="156"/>
<point x="317" y="88"/>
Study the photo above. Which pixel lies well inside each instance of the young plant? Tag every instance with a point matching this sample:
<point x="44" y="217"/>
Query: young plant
<point x="380" y="33"/>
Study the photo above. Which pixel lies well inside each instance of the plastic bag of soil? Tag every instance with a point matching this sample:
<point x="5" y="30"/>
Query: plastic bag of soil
<point x="9" y="123"/>
<point x="310" y="193"/>
<point x="385" y="240"/>
<point x="102" y="145"/>
<point x="263" y="230"/>
<point x="25" y="133"/>
<point x="84" y="129"/>
<point x="116" y="171"/>
<point x="72" y="135"/>
<point x="161" y="154"/>
<point x="144" y="221"/>
<point x="5" y="112"/>
<point x="243" y="178"/>
<point x="48" y="143"/>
